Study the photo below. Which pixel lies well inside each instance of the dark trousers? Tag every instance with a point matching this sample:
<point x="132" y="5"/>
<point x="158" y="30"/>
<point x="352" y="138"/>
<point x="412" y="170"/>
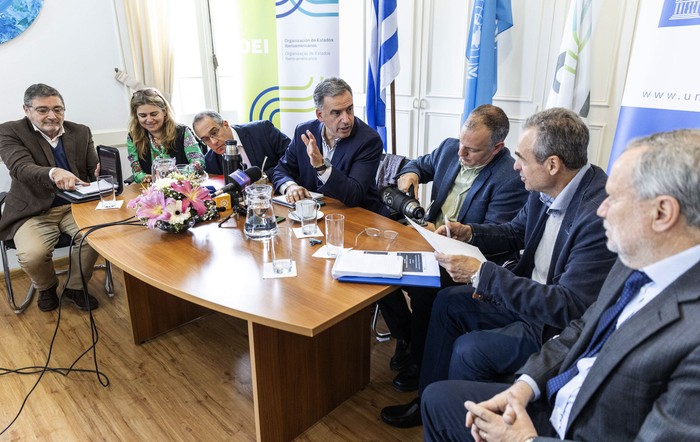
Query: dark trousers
<point x="473" y="340"/>
<point x="410" y="325"/>
<point x="444" y="415"/>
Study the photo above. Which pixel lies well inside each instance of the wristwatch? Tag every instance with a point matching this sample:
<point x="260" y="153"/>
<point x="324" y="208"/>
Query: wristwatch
<point x="322" y="168"/>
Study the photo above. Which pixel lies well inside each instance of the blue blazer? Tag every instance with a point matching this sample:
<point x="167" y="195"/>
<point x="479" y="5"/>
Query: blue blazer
<point x="495" y="197"/>
<point x="260" y="139"/>
<point x="355" y="163"/>
<point x="580" y="260"/>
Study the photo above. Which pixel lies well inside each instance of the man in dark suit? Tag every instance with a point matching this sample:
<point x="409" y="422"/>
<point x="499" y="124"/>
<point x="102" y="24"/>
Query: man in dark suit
<point x="337" y="154"/>
<point x="627" y="370"/>
<point x="258" y="142"/>
<point x="489" y="328"/>
<point x="44" y="154"/>
<point x="473" y="182"/>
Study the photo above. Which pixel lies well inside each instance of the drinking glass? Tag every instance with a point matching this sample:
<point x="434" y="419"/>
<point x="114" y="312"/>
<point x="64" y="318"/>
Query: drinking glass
<point x="106" y="186"/>
<point x="335" y="231"/>
<point x="282" y="250"/>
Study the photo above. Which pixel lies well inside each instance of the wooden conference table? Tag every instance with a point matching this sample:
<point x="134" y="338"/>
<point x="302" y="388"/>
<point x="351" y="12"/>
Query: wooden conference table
<point x="309" y="336"/>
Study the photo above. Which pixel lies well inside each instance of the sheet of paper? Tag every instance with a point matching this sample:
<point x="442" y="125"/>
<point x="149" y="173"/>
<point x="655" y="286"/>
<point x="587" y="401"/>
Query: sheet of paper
<point x="92" y="188"/>
<point x="448" y="246"/>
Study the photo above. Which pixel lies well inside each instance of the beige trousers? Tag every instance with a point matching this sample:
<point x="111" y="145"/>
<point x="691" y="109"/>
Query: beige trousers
<point x="35" y="241"/>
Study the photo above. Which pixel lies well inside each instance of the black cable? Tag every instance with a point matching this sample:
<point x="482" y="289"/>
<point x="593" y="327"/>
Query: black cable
<point x="93" y="328"/>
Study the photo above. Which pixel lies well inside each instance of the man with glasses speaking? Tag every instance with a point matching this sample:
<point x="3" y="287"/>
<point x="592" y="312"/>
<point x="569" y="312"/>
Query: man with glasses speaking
<point x="256" y="141"/>
<point x="45" y="154"/>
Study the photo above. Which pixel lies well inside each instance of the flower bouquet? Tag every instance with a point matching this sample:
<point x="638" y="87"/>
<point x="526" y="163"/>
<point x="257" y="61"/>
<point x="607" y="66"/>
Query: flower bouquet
<point x="173" y="205"/>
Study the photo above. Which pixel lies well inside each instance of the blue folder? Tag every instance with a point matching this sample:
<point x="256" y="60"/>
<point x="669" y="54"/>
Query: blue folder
<point x="406" y="280"/>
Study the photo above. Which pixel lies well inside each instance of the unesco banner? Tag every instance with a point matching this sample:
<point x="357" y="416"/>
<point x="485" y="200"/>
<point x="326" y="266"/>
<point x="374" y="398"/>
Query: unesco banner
<point x="662" y="91"/>
<point x="289" y="46"/>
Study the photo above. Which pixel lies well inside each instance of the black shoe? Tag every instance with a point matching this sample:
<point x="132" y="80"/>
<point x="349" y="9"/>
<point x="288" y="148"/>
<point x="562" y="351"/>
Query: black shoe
<point x="402" y="355"/>
<point x="407" y="380"/>
<point x="48" y="300"/>
<point x="403" y="416"/>
<point x="78" y="298"/>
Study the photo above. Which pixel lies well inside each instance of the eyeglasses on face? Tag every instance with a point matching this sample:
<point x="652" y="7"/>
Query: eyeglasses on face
<point x="213" y="133"/>
<point x="43" y="110"/>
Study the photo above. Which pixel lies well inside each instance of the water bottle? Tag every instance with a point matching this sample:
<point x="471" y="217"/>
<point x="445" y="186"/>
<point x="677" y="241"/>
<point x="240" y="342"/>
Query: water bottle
<point x="232" y="160"/>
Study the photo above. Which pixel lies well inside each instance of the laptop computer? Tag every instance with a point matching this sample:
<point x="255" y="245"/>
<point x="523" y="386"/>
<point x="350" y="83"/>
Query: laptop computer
<point x="110" y="164"/>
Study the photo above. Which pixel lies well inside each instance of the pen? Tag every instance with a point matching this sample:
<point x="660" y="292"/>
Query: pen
<point x="447" y="227"/>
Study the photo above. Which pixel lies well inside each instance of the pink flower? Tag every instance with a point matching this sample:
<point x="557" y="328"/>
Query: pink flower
<point x="151" y="206"/>
<point x="195" y="196"/>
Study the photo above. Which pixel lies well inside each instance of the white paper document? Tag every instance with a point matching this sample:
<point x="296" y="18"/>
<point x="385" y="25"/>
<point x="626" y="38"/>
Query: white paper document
<point x="448" y="246"/>
<point x="92" y="188"/>
<point x="366" y="263"/>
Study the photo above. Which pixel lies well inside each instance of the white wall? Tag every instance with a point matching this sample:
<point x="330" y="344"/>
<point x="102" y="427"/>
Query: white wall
<point x="73" y="46"/>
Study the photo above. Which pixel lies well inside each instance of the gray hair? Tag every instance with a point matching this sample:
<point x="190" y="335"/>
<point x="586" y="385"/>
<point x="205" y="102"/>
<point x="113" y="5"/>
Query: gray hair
<point x="330" y="87"/>
<point x="493" y="118"/>
<point x="670" y="166"/>
<point x="560" y="132"/>
<point x="215" y="116"/>
<point x="40" y="90"/>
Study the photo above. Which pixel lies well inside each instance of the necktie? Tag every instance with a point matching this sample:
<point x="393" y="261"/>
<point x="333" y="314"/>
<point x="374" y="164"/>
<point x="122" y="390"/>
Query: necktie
<point x="605" y="327"/>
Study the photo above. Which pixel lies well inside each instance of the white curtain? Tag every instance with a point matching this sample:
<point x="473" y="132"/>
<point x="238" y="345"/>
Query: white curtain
<point x="151" y="47"/>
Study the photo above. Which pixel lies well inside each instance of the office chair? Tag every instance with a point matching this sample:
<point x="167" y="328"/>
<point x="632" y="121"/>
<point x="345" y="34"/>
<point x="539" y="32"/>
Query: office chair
<point x="63" y="241"/>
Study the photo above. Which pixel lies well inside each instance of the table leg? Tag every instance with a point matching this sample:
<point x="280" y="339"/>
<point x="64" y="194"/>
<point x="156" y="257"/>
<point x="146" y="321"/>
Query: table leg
<point x="154" y="312"/>
<point x="297" y="379"/>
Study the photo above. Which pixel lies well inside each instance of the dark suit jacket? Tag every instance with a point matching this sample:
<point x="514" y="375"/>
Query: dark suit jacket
<point x="495" y="197"/>
<point x="644" y="384"/>
<point x="260" y="139"/>
<point x="580" y="260"/>
<point x="355" y="163"/>
<point x="29" y="158"/>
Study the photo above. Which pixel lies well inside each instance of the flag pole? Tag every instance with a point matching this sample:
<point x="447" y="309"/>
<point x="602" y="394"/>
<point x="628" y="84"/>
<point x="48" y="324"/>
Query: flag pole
<point x="392" y="92"/>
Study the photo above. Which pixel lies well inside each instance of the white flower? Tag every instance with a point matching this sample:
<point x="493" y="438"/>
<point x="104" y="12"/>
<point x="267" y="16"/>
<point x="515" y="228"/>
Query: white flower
<point x="163" y="183"/>
<point x="178" y="214"/>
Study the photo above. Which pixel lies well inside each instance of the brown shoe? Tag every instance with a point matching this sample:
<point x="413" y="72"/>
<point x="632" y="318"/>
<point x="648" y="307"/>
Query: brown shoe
<point x="78" y="297"/>
<point x="48" y="300"/>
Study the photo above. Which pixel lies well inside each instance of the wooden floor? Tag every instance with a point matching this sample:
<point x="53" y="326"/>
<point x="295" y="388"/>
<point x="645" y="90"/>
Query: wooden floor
<point x="188" y="385"/>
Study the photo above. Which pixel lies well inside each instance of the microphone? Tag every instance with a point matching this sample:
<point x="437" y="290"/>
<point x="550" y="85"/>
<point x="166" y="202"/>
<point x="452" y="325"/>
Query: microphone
<point x="398" y="201"/>
<point x="240" y="179"/>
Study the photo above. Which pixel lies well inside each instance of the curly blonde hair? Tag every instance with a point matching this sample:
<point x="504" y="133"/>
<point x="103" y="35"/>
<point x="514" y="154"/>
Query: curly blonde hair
<point x="138" y="134"/>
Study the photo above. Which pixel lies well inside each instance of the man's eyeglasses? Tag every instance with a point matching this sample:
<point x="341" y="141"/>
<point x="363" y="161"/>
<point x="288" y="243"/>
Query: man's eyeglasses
<point x="58" y="110"/>
<point x="213" y="133"/>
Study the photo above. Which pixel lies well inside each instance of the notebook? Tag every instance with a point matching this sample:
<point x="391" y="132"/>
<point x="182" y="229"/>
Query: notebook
<point x="280" y="199"/>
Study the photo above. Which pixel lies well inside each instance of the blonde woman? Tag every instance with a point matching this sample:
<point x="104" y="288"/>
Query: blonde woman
<point x="153" y="133"/>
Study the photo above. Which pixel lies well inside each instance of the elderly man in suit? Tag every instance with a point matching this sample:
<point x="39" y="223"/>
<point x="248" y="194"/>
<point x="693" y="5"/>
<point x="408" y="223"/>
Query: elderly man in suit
<point x="336" y="154"/>
<point x="45" y="154"/>
<point x="488" y="329"/>
<point x="260" y="143"/>
<point x="473" y="182"/>
<point x="627" y="370"/>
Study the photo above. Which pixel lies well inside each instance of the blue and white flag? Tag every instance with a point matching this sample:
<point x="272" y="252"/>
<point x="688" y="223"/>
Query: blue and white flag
<point x="383" y="62"/>
<point x="489" y="18"/>
<point x="571" y="87"/>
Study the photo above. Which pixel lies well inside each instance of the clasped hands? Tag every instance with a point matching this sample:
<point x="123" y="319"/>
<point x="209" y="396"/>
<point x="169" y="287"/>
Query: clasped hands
<point x="503" y="417"/>
<point x="295" y="192"/>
